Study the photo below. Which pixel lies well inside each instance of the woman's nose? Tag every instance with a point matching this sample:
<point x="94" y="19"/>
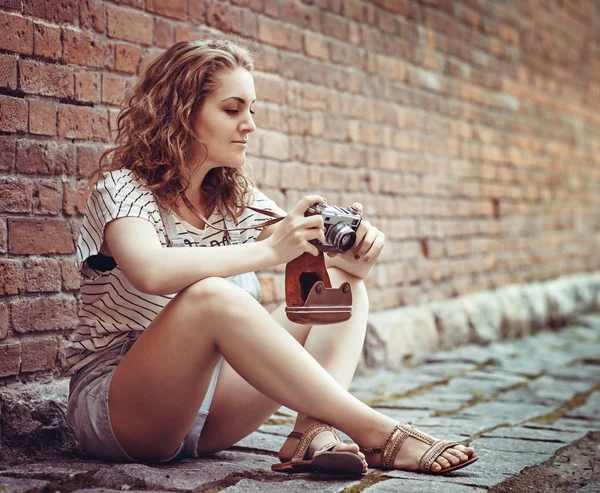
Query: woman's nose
<point x="248" y="125"/>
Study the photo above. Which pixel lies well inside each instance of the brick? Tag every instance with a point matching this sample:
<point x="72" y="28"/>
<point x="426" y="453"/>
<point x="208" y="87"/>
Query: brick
<point x="78" y="122"/>
<point x="223" y="17"/>
<point x="197" y="11"/>
<point x="129" y="25"/>
<point x="87" y="86"/>
<point x="39" y="236"/>
<point x="42" y="275"/>
<point x="276" y="145"/>
<point x="10" y="359"/>
<point x="88" y="159"/>
<point x="13" y="114"/>
<point x="172" y="8"/>
<point x="12" y="4"/>
<point x="47" y="197"/>
<point x="45" y="157"/>
<point x="46" y="41"/>
<point x="38" y="354"/>
<point x="42" y="314"/>
<point x="91" y="15"/>
<point x="46" y="80"/>
<point x="316" y="46"/>
<point x="42" y="117"/>
<point x="76" y="194"/>
<point x="272" y="32"/>
<point x="114" y="89"/>
<point x="71" y="277"/>
<point x="7" y="153"/>
<point x="3" y="236"/>
<point x="56" y="11"/>
<point x="8" y="71"/>
<point x="12" y="277"/>
<point x="16" y="195"/>
<point x="4" y="321"/>
<point x="85" y="49"/>
<point x="127" y="57"/>
<point x="16" y="34"/>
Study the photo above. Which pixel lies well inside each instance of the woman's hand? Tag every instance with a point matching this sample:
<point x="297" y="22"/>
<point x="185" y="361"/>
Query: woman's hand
<point x="291" y="237"/>
<point x="360" y="259"/>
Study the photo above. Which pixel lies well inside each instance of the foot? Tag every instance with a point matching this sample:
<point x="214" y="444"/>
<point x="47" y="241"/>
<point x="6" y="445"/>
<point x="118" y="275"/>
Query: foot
<point x="412" y="450"/>
<point x="322" y="439"/>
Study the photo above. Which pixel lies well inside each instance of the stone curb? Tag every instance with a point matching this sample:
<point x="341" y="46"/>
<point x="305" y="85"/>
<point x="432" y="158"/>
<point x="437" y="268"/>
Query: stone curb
<point x="393" y="336"/>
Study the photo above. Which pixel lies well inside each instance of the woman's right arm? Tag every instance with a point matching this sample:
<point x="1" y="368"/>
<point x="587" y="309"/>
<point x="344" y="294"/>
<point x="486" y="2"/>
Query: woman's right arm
<point x="152" y="269"/>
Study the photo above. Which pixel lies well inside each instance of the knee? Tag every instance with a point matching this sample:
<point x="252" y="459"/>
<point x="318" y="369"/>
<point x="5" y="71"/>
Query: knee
<point x="212" y="293"/>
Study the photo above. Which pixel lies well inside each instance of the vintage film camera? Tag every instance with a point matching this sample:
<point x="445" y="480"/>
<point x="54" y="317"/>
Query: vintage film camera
<point x="340" y="226"/>
<point x="310" y="299"/>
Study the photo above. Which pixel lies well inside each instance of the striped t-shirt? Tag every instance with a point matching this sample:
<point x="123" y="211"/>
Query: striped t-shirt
<point x="111" y="308"/>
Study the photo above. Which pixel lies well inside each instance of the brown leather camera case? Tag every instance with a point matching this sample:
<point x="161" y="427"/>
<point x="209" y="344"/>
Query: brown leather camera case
<point x="309" y="297"/>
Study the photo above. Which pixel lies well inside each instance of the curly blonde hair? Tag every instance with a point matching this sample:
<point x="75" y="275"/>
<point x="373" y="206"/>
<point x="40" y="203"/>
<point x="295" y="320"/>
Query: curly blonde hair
<point x="155" y="138"/>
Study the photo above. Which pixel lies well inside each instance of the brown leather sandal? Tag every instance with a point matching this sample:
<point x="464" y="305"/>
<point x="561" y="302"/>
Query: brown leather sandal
<point x="397" y="438"/>
<point x="322" y="460"/>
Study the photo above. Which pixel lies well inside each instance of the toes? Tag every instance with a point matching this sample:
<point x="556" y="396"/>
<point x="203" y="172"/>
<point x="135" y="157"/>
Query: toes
<point x="459" y="454"/>
<point x="451" y="458"/>
<point x="436" y="467"/>
<point x="442" y="461"/>
<point x="468" y="451"/>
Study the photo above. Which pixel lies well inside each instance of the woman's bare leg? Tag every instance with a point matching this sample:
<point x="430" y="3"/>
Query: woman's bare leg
<point x="176" y="352"/>
<point x="238" y="409"/>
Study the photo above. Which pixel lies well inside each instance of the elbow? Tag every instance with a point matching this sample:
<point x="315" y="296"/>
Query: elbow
<point x="147" y="282"/>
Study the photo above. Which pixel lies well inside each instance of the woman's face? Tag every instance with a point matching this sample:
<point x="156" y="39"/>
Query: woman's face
<point x="224" y="121"/>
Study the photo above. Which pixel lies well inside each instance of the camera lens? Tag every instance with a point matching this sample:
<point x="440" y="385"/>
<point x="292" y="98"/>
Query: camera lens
<point x="341" y="237"/>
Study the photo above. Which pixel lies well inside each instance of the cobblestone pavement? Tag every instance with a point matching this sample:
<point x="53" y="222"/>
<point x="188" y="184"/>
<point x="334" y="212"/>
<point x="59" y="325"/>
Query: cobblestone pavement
<point x="517" y="402"/>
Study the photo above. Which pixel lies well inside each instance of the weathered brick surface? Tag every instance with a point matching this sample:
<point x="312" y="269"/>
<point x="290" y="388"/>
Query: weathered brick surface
<point x="42" y="117"/>
<point x="465" y="130"/>
<point x="44" y="157"/>
<point x="16" y="34"/>
<point x="43" y="314"/>
<point x="38" y="354"/>
<point x="39" y="236"/>
<point x="10" y="359"/>
<point x="13" y="114"/>
<point x="79" y="122"/>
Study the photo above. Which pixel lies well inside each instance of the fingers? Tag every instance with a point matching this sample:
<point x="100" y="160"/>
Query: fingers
<point x="306" y="201"/>
<point x="370" y="244"/>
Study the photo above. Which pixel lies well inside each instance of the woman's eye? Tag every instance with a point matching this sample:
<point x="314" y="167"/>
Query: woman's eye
<point x="232" y="112"/>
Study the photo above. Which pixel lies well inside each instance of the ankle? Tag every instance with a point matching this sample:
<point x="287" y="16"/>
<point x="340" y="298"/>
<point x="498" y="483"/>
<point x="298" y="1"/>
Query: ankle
<point x="376" y="433"/>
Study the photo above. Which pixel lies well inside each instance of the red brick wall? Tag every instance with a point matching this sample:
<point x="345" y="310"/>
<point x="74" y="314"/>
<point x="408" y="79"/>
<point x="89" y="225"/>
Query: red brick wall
<point x="469" y="129"/>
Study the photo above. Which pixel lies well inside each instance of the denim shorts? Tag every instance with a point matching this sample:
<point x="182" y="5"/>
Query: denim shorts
<point x="88" y="415"/>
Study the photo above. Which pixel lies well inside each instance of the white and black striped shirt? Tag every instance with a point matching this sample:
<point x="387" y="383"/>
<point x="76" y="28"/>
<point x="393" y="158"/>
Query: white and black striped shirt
<point x="111" y="308"/>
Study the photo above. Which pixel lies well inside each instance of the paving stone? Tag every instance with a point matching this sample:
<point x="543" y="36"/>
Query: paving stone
<point x="530" y="432"/>
<point x="494" y="413"/>
<point x="492" y="468"/>
<point x="468" y="354"/>
<point x="386" y="383"/>
<point x="428" y="401"/>
<point x="20" y="485"/>
<point x="281" y="430"/>
<point x="590" y="410"/>
<point x="292" y="484"/>
<point x="516" y="445"/>
<point x="189" y="474"/>
<point x="568" y="424"/>
<point x="262" y="442"/>
<point x="547" y="391"/>
<point x="56" y="470"/>
<point x="586" y="373"/>
<point x="445" y="369"/>
<point x="429" y="485"/>
<point x="592" y="487"/>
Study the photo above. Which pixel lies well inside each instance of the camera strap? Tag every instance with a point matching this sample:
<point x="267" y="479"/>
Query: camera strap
<point x="276" y="217"/>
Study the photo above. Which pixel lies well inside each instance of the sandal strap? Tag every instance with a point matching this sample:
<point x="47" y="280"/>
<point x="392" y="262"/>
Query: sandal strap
<point x="396" y="440"/>
<point x="433" y="453"/>
<point x="306" y="438"/>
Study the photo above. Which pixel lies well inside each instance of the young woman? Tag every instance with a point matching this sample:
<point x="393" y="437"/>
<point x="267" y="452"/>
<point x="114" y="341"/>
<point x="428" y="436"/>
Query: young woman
<point x="174" y="356"/>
